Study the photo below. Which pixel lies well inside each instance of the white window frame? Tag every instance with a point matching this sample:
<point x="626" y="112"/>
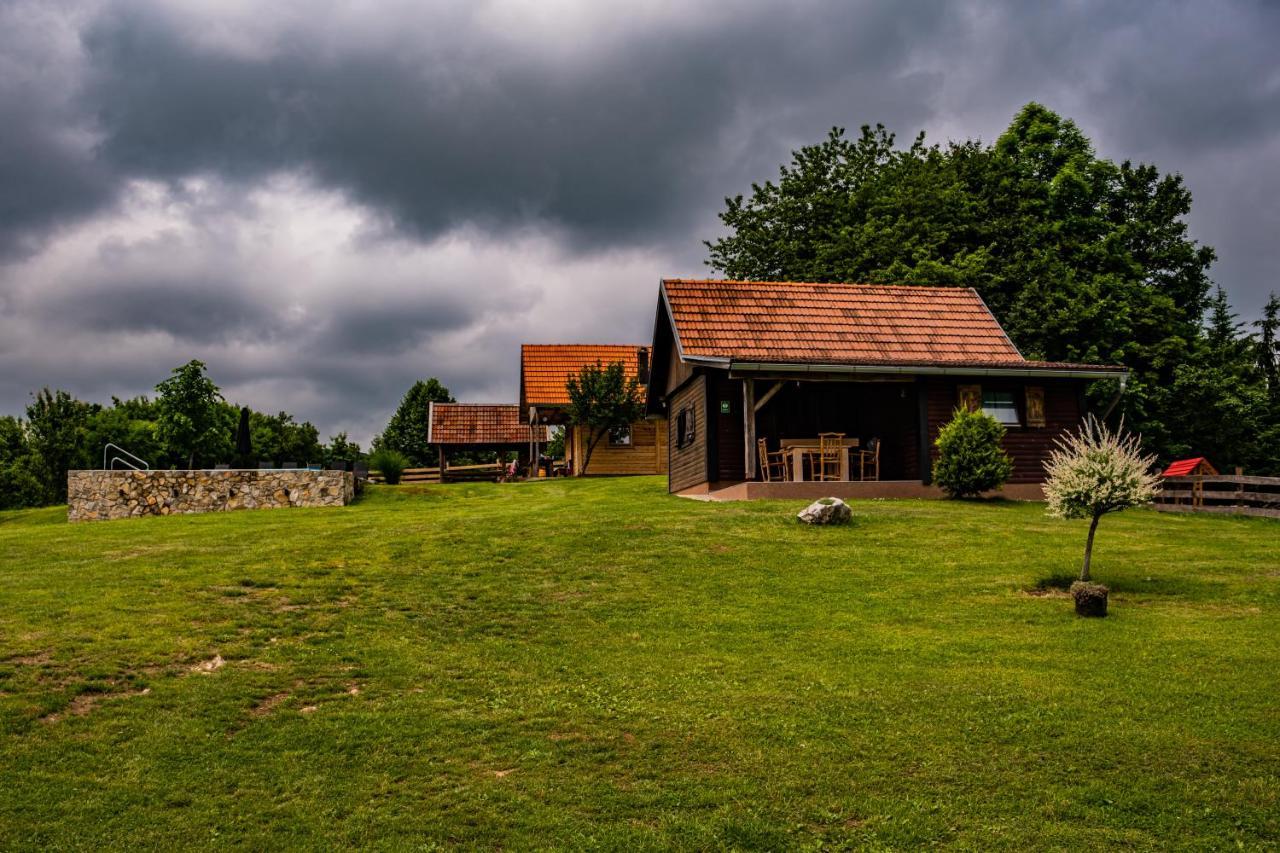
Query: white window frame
<point x="1007" y="415"/>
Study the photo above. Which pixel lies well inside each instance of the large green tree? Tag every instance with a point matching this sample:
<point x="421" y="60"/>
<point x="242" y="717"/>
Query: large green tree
<point x="193" y="421"/>
<point x="56" y="425"/>
<point x="1081" y="258"/>
<point x="406" y="432"/>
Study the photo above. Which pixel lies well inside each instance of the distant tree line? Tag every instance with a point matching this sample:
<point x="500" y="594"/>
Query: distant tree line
<point x="1080" y="258"/>
<point x="188" y="424"/>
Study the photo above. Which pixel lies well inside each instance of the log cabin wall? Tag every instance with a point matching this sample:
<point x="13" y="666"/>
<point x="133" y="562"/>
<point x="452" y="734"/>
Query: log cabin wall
<point x="1028" y="446"/>
<point x="688" y="451"/>
<point x="647" y="453"/>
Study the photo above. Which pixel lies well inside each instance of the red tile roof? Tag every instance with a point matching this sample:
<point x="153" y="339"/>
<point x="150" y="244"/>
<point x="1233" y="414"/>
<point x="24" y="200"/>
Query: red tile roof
<point x="545" y="368"/>
<point x="479" y="423"/>
<point x="807" y="323"/>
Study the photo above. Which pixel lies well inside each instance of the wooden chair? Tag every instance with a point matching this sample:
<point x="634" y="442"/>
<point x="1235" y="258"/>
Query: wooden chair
<point x="774" y="465"/>
<point x="869" y="460"/>
<point x="826" y="465"/>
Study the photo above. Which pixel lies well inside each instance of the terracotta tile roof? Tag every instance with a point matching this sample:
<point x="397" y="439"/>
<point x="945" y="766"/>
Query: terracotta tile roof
<point x="545" y="368"/>
<point x="836" y="323"/>
<point x="479" y="423"/>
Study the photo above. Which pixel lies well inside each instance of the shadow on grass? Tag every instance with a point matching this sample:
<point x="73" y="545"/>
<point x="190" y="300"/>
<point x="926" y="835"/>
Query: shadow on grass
<point x="1150" y="585"/>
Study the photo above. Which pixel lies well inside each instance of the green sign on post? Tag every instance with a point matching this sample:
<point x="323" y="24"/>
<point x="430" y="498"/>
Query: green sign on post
<point x="724" y="407"/>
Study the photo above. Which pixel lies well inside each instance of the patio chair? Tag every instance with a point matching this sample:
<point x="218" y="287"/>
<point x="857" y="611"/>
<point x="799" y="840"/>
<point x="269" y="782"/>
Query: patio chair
<point x="869" y="460"/>
<point x="774" y="465"/>
<point x="266" y="466"/>
<point x="826" y="464"/>
<point x="289" y="465"/>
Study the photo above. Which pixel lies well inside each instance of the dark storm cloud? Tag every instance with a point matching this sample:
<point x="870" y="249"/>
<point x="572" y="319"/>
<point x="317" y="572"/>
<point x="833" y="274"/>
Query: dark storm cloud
<point x="463" y="178"/>
<point x="617" y="148"/>
<point x="200" y="311"/>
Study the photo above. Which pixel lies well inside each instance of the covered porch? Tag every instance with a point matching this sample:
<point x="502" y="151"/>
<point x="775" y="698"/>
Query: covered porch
<point x="772" y="430"/>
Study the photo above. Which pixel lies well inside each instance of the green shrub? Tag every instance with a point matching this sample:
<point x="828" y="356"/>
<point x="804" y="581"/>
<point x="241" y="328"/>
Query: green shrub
<point x="971" y="460"/>
<point x="390" y="464"/>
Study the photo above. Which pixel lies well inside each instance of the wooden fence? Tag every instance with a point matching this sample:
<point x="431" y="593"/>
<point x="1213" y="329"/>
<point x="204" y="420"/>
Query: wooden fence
<point x="452" y="474"/>
<point x="1229" y="494"/>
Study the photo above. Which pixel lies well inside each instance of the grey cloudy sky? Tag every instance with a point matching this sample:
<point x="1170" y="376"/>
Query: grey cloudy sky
<point x="325" y="204"/>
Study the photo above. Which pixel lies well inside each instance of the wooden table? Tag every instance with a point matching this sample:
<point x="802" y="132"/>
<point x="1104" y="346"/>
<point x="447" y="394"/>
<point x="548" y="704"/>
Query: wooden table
<point x="800" y="447"/>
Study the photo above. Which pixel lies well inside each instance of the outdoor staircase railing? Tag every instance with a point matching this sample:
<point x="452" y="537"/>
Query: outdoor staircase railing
<point x="122" y="456"/>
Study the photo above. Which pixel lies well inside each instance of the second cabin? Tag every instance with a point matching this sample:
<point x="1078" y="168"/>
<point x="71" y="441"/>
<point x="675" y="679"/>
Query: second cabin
<point x="545" y="370"/>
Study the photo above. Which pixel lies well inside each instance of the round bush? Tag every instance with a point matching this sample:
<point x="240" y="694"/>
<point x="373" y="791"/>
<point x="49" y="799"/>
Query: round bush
<point x="390" y="464"/>
<point x="971" y="460"/>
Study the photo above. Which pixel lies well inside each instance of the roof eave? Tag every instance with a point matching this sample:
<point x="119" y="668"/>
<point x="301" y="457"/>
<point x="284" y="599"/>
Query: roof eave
<point x="931" y="370"/>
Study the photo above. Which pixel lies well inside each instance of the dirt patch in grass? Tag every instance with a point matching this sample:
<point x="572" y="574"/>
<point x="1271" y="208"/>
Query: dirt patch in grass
<point x="83" y="704"/>
<point x="36" y="659"/>
<point x="266" y="706"/>
<point x="213" y="664"/>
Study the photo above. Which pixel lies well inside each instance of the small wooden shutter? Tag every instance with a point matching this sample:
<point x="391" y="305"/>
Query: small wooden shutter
<point x="970" y="397"/>
<point x="1035" y="406"/>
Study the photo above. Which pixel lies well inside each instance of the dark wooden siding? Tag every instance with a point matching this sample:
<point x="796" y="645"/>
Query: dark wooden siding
<point x="1027" y="446"/>
<point x="688" y="465"/>
<point x="729" y="459"/>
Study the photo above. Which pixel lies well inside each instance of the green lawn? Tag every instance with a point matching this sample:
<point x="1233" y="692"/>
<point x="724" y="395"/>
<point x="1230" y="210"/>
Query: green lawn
<point x="597" y="664"/>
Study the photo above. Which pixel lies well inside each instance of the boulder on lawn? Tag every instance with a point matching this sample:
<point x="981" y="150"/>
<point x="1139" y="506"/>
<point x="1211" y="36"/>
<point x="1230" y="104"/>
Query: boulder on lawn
<point x="826" y="511"/>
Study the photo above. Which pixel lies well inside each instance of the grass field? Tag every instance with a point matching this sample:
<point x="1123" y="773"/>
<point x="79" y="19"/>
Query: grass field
<point x="597" y="664"/>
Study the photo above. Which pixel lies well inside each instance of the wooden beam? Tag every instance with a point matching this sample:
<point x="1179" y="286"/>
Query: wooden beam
<point x="768" y="395"/>
<point x="924" y="459"/>
<point x="749" y="427"/>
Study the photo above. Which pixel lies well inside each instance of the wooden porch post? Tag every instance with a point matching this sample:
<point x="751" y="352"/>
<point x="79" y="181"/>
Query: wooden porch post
<point x="922" y="424"/>
<point x="440" y="447"/>
<point x="749" y="426"/>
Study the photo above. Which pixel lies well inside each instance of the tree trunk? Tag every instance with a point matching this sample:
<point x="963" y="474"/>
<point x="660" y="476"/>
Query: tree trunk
<point x="1088" y="549"/>
<point x="591" y="445"/>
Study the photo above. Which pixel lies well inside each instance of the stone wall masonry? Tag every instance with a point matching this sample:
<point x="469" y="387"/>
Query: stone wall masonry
<point x="103" y="495"/>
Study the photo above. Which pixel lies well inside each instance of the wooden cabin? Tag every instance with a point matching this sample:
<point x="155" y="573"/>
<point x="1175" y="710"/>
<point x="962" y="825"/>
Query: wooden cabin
<point x="479" y="428"/>
<point x="545" y="370"/>
<point x="883" y="367"/>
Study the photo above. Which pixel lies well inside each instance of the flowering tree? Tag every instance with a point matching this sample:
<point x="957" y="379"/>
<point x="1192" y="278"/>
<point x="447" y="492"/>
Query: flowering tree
<point x="1096" y="471"/>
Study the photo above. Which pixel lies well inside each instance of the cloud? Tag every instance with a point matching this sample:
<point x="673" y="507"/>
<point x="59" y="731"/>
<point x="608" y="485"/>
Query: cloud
<point x="327" y="203"/>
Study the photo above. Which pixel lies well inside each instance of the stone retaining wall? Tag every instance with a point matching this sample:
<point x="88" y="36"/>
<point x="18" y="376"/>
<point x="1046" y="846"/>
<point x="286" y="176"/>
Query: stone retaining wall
<point x="102" y="495"/>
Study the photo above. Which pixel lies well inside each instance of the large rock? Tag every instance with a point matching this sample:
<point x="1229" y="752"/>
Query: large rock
<point x="826" y="511"/>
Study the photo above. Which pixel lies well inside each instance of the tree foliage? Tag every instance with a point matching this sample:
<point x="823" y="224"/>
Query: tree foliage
<point x="193" y="421"/>
<point x="971" y="458"/>
<point x="406" y="432"/>
<point x="1082" y="259"/>
<point x="56" y="427"/>
<point x="602" y="399"/>
<point x="1095" y="471"/>
<point x="61" y="433"/>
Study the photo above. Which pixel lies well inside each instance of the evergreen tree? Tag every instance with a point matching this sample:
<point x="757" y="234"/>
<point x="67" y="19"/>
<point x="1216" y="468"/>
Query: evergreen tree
<point x="406" y="432"/>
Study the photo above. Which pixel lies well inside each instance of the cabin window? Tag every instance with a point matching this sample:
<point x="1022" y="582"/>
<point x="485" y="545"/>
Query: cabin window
<point x="620" y="436"/>
<point x="1000" y="405"/>
<point x="685" y="428"/>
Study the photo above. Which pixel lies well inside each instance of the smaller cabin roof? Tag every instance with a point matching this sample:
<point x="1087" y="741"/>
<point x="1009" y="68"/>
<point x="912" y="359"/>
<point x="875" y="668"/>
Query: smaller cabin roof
<point x="1186" y="467"/>
<point x="479" y="423"/>
<point x="545" y="368"/>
